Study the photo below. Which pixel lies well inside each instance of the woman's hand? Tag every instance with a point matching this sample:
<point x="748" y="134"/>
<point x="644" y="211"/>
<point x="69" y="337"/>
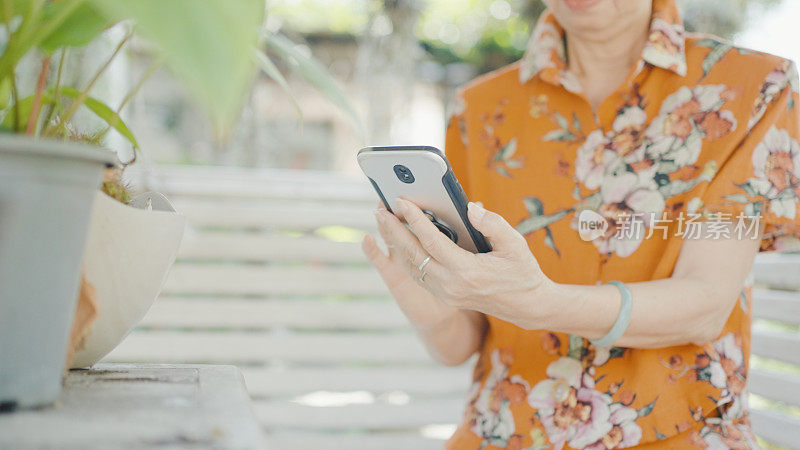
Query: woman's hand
<point x="503" y="283"/>
<point x="424" y="310"/>
<point x="452" y="335"/>
<point x="690" y="307"/>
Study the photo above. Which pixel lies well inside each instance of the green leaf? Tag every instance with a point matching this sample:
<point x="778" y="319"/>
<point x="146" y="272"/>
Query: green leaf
<point x="562" y="121"/>
<point x="676" y="187"/>
<point x="549" y="241"/>
<point x="314" y="73"/>
<point x="5" y="92"/>
<point x="208" y="45"/>
<point x="514" y="164"/>
<point x="507" y="151"/>
<point x="739" y="198"/>
<point x="80" y="27"/>
<point x="576" y="192"/>
<point x="647" y="409"/>
<point x="749" y="190"/>
<point x="533" y="205"/>
<point x="743" y="300"/>
<point x="104" y="112"/>
<point x="24" y="106"/>
<point x="32" y="30"/>
<point x="502" y="171"/>
<point x="534" y="223"/>
<point x="15" y="8"/>
<point x="559" y="136"/>
<point x="716" y="53"/>
<point x="576" y="123"/>
<point x="272" y="71"/>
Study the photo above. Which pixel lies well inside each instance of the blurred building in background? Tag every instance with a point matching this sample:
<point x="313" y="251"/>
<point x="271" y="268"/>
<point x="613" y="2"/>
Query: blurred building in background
<point x="399" y="62"/>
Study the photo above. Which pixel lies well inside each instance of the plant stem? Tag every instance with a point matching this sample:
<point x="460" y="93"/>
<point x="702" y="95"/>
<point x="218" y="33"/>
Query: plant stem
<point x="15" y="98"/>
<point x="8" y="9"/>
<point x="154" y="66"/>
<point x="56" y="98"/>
<point x="62" y="123"/>
<point x="37" y="99"/>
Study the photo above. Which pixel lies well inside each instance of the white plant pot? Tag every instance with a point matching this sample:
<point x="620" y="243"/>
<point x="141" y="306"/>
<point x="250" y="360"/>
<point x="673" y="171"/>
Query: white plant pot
<point x="128" y="255"/>
<point x="46" y="194"/>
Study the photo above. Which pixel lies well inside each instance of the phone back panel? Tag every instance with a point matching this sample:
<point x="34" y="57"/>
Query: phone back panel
<point x="434" y="187"/>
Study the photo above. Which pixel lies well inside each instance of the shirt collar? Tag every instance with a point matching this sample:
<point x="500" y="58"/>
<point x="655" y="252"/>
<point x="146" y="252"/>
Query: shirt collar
<point x="546" y="53"/>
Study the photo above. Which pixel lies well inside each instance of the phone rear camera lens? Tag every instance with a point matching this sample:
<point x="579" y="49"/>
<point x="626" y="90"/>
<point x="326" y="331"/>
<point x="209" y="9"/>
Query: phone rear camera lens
<point x="403" y="174"/>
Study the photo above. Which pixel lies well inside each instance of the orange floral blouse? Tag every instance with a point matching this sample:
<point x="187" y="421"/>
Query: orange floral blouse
<point x="701" y="130"/>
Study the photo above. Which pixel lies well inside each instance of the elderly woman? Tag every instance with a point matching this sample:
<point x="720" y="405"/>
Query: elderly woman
<point x="635" y="170"/>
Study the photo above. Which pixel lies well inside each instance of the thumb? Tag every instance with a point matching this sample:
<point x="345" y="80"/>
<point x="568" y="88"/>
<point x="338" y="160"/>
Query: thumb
<point x="502" y="235"/>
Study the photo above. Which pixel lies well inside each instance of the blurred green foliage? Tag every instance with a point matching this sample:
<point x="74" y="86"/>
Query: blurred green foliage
<point x="486" y="34"/>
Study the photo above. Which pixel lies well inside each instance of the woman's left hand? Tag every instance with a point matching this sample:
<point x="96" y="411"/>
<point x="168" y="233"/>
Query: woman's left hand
<point x="504" y="283"/>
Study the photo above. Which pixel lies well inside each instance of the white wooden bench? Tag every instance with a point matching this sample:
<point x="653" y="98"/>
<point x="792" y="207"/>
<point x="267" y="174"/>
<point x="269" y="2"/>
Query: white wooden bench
<point x="271" y="278"/>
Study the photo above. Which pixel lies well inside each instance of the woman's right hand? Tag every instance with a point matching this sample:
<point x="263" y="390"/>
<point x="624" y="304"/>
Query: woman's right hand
<point x="425" y="311"/>
<point x="451" y="335"/>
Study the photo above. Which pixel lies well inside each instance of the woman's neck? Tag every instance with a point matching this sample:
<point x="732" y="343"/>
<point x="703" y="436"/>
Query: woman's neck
<point x="602" y="63"/>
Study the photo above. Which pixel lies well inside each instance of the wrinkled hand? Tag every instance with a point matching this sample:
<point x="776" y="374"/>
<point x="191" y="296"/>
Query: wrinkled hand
<point x="421" y="307"/>
<point x="504" y="283"/>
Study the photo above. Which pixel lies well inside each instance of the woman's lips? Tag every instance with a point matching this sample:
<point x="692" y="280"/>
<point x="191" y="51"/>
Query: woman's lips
<point x="580" y="5"/>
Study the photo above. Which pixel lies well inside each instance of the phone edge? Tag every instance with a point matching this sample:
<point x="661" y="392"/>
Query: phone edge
<point x="451" y="185"/>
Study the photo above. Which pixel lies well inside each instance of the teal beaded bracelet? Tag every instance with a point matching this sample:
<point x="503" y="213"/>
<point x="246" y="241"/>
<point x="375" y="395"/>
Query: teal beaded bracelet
<point x="623" y="319"/>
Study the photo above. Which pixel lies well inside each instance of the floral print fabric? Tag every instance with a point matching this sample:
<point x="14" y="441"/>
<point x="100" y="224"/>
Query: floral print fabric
<point x="700" y="130"/>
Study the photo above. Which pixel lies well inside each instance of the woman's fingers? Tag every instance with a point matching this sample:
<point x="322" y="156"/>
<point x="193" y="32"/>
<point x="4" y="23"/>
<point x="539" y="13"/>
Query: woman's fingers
<point x="399" y="237"/>
<point x="430" y="238"/>
<point x="395" y="233"/>
<point x="392" y="274"/>
<point x="492" y="225"/>
<point x="384" y="231"/>
<point x="374" y="255"/>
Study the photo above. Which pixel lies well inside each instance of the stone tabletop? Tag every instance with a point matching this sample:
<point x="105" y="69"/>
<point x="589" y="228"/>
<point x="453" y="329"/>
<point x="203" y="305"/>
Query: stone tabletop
<point x="140" y="406"/>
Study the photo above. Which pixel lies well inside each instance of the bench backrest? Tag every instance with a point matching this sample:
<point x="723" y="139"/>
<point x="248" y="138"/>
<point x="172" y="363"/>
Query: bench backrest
<point x="271" y="277"/>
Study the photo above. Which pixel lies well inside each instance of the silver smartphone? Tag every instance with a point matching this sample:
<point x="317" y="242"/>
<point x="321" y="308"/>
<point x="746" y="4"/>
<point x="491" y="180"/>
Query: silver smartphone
<point x="423" y="176"/>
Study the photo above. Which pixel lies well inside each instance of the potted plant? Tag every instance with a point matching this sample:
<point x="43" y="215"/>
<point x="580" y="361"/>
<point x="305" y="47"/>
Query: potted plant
<point x="50" y="171"/>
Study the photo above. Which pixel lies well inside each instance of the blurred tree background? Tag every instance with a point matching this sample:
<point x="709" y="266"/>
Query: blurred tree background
<point x="397" y="61"/>
<point x="485" y="34"/>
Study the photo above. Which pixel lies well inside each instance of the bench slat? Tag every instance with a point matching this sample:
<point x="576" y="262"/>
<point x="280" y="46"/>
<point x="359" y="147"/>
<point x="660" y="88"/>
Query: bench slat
<point x="259" y="247"/>
<point x="294" y="215"/>
<point x="222" y="279"/>
<point x="380" y="416"/>
<point x="776" y="428"/>
<point x="781" y="271"/>
<point x="260" y="347"/>
<point x="235" y="313"/>
<point x="775" y="386"/>
<point x="383" y="441"/>
<point x="438" y="381"/>
<point x="775" y="345"/>
<point x="777" y="305"/>
<point x="220" y="182"/>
